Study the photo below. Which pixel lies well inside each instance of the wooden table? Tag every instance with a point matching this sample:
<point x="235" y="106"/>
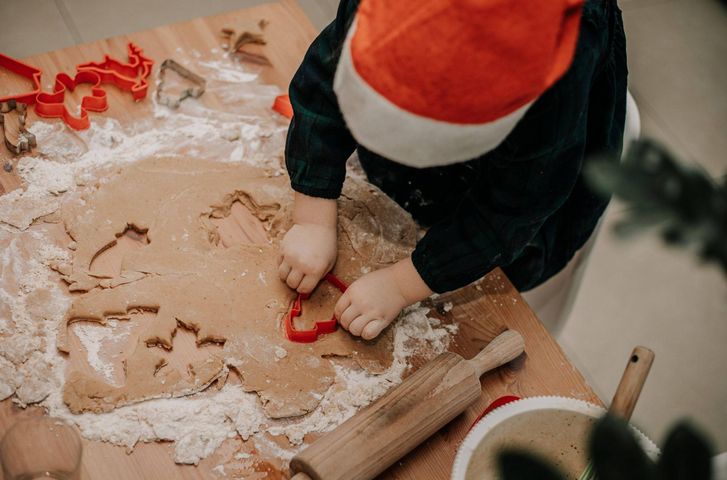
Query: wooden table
<point x="482" y="311"/>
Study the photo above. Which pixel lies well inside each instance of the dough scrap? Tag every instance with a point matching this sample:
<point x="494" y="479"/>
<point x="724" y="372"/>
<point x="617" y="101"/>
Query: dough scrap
<point x="8" y="380"/>
<point x="230" y="296"/>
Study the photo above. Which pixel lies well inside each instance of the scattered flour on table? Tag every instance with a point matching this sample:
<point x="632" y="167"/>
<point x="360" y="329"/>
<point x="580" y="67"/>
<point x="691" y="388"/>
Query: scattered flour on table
<point x="31" y="305"/>
<point x="33" y="301"/>
<point x="96" y="340"/>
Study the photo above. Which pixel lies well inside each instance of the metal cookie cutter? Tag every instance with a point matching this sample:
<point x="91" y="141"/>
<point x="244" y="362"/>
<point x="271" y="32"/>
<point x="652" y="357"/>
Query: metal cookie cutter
<point x="51" y="105"/>
<point x="132" y="76"/>
<point x="194" y="92"/>
<point x="320" y="328"/>
<point x="23" y="70"/>
<point x="26" y="140"/>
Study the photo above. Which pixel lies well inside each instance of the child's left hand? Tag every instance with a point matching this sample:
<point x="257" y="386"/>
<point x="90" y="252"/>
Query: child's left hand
<point x="373" y="301"/>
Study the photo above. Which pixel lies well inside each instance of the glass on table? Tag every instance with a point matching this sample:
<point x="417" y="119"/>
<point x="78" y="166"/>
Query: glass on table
<point x="41" y="448"/>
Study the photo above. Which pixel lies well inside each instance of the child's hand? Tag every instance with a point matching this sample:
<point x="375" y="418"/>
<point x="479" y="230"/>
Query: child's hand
<point x="309" y="249"/>
<point x="373" y="301"/>
<point x="308" y="252"/>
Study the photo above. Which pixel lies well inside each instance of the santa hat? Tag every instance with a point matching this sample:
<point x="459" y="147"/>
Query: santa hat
<point x="434" y="82"/>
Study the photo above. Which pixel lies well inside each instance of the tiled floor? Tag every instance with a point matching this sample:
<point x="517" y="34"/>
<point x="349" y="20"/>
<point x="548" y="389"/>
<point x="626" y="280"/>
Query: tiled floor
<point x="635" y="292"/>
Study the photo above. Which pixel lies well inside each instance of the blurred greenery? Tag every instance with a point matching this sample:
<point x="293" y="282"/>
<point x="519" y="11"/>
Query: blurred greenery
<point x="617" y="455"/>
<point x="683" y="203"/>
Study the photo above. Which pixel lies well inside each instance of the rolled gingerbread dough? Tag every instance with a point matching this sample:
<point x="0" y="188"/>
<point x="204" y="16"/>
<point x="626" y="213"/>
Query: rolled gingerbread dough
<point x="229" y="295"/>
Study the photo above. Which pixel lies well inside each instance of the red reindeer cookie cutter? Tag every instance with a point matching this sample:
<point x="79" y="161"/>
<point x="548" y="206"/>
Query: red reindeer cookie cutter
<point x="320" y="328"/>
<point x="132" y="76"/>
<point x="24" y="70"/>
<point x="51" y="105"/>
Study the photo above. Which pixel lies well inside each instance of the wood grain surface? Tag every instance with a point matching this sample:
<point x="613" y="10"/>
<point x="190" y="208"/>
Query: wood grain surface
<point x="483" y="311"/>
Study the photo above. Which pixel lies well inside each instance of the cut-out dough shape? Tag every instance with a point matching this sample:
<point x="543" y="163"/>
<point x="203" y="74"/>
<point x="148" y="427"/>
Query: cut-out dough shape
<point x="231" y="296"/>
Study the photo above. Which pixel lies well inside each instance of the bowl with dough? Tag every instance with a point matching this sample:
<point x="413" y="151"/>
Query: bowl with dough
<point x="553" y="428"/>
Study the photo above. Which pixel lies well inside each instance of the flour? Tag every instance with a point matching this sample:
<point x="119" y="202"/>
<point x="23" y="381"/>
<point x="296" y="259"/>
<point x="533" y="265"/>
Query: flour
<point x="199" y="424"/>
<point x="226" y="71"/>
<point x="31" y="368"/>
<point x="33" y="301"/>
<point x="94" y="338"/>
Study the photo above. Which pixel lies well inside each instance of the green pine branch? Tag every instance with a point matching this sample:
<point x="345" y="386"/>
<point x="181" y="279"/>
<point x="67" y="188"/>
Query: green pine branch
<point x="683" y="203"/>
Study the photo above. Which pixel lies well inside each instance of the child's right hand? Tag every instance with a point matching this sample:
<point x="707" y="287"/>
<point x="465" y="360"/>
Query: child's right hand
<point x="309" y="249"/>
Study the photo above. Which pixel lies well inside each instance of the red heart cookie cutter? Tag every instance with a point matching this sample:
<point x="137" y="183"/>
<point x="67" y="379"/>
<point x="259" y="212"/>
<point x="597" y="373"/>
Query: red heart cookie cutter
<point x="320" y="328"/>
<point x="50" y="105"/>
<point x="132" y="76"/>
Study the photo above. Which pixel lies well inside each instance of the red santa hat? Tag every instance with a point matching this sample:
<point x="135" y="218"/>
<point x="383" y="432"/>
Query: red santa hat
<point x="435" y="82"/>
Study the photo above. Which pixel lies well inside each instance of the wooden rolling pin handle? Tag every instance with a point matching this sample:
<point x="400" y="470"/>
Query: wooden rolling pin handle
<point x="505" y="347"/>
<point x="632" y="381"/>
<point x="300" y="476"/>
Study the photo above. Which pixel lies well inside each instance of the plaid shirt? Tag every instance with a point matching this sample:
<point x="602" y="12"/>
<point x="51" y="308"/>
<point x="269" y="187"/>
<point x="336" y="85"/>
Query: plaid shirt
<point x="523" y="206"/>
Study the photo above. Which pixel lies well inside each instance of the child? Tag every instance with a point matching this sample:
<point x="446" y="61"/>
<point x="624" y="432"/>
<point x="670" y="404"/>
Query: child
<point x="474" y="115"/>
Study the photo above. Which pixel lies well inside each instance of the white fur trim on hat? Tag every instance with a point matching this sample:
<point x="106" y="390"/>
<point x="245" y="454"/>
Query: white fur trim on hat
<point x="405" y="137"/>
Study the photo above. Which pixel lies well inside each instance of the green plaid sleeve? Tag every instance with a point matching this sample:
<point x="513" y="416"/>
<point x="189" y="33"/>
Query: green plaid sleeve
<point x="319" y="142"/>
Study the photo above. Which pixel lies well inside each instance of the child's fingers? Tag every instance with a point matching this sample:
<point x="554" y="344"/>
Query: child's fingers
<point x="341" y="305"/>
<point x="294" y="279"/>
<point x="373" y="329"/>
<point x="308" y="283"/>
<point x="284" y="270"/>
<point x="358" y="324"/>
<point x="348" y="316"/>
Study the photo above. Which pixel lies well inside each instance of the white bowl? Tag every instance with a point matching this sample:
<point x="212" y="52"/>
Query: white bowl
<point x="555" y="427"/>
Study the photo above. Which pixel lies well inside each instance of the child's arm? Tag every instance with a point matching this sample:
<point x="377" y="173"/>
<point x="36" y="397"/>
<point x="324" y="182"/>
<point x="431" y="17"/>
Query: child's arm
<point x="319" y="142"/>
<point x="316" y="151"/>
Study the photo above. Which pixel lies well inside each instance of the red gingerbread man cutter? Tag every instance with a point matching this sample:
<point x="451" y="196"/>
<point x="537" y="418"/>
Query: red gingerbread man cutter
<point x="320" y="328"/>
<point x="51" y="105"/>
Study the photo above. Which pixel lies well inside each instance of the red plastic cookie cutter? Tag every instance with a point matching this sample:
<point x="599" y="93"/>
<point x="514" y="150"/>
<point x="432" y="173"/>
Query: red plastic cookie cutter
<point x="496" y="404"/>
<point x="24" y="70"/>
<point x="132" y="76"/>
<point x="320" y="328"/>
<point x="283" y="106"/>
<point x="51" y="105"/>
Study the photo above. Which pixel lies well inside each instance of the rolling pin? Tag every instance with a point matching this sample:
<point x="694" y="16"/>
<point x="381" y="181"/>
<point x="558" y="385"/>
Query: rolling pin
<point x="377" y="436"/>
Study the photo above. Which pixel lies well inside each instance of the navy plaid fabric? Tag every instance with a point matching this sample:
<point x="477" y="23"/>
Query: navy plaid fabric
<point x="523" y="206"/>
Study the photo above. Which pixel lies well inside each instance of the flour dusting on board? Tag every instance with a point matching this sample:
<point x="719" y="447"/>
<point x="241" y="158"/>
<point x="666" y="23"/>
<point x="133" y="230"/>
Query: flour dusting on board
<point x="33" y="301"/>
